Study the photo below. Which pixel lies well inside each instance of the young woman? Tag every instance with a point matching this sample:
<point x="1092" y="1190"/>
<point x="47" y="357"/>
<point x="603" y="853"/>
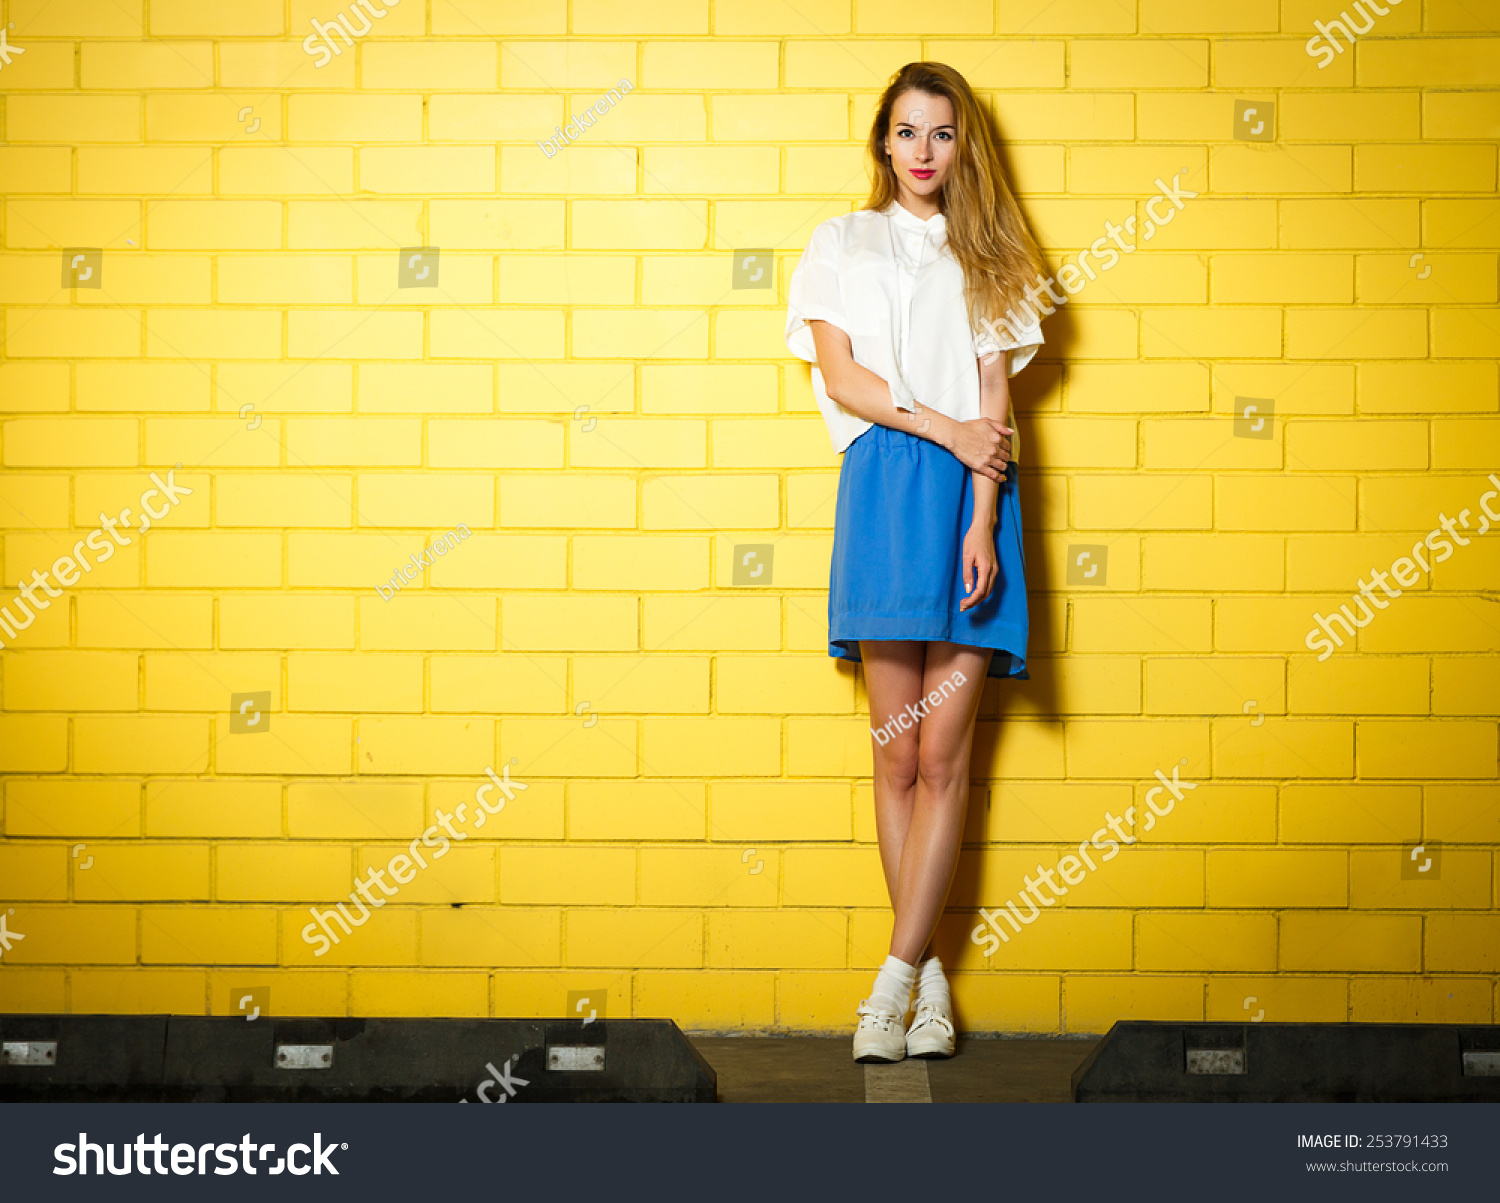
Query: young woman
<point x="894" y="305"/>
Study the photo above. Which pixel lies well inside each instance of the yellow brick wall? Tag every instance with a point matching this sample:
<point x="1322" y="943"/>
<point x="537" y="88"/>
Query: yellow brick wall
<point x="609" y="418"/>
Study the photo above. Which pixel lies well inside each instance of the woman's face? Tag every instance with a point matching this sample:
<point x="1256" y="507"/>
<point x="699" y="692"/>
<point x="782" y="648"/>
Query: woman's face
<point x="921" y="141"/>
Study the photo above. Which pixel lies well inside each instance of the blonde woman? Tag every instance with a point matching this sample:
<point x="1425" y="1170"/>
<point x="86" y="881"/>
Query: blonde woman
<point x="895" y="304"/>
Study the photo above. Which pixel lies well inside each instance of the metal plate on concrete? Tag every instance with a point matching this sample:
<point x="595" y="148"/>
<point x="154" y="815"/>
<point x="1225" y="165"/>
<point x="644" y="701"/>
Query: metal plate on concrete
<point x="29" y="1052"/>
<point x="1482" y="1065"/>
<point x="575" y="1058"/>
<point x="1216" y="1060"/>
<point x="304" y="1056"/>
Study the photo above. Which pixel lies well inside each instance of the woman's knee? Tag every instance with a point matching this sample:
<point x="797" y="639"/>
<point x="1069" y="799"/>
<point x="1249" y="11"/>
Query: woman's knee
<point x="939" y="767"/>
<point x="896" y="763"/>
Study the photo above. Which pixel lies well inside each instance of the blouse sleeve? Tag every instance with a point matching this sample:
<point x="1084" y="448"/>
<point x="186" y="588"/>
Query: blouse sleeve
<point x="814" y="293"/>
<point x="1000" y="336"/>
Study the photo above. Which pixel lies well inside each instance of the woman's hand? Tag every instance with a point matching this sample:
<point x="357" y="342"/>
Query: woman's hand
<point x="978" y="564"/>
<point x="983" y="445"/>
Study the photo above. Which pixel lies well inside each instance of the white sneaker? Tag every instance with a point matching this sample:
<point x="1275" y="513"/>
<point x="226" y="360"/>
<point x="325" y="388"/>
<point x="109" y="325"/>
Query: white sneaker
<point x="879" y="1036"/>
<point x="931" y="1033"/>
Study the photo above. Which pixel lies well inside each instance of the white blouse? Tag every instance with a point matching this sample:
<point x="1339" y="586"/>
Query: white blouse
<point x="888" y="280"/>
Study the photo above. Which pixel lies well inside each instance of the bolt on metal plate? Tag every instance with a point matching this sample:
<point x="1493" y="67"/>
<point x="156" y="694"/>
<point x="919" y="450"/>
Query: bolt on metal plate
<point x="28" y="1052"/>
<point x="575" y="1057"/>
<point x="1482" y="1065"/>
<point x="304" y="1056"/>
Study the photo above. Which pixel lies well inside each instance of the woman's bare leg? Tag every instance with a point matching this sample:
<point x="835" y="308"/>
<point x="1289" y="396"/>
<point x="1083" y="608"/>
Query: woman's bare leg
<point x="893" y="679"/>
<point x="928" y="854"/>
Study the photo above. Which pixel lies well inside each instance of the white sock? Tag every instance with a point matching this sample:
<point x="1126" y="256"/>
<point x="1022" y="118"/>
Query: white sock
<point x="892" y="989"/>
<point x="931" y="984"/>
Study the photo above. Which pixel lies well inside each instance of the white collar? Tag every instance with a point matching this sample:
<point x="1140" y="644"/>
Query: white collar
<point x="902" y="216"/>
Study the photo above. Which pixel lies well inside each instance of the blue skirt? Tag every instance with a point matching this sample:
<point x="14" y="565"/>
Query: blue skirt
<point x="904" y="504"/>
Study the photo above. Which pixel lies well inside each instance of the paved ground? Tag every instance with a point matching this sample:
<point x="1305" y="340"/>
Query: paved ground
<point x="819" y="1069"/>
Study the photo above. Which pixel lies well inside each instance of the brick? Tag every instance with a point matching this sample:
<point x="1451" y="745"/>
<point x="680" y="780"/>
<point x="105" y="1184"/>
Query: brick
<point x="357" y="224"/>
<point x="37" y="168"/>
<point x="387" y="938"/>
<point x="269" y="872"/>
<point x="435" y="66"/>
<point x="1142" y="502"/>
<point x="281" y="66"/>
<point x="202" y="935"/>
<point x="834" y="877"/>
<point x="1319" y="225"/>
<point x="1376" y="881"/>
<point x="138" y="65"/>
<point x="1385" y="685"/>
<point x="144" y="872"/>
<point x="105" y="621"/>
<point x="182" y="18"/>
<point x="420" y="994"/>
<point x="221" y="809"/>
<point x="560" y="747"/>
<point x="1278" y="879"/>
<point x="711" y="877"/>
<point x="1283" y="747"/>
<point x="1280" y="999"/>
<point x="480" y="937"/>
<point x="1451" y="748"/>
<point x="213" y="334"/>
<point x="1219" y="563"/>
<point x="279" y="171"/>
<point x="776" y="939"/>
<point x="640" y="938"/>
<point x="72" y="119"/>
<point x="1459" y="62"/>
<point x="574" y="623"/>
<point x="1203" y="685"/>
<point x="143" y="171"/>
<point x="642" y="684"/>
<point x="640" y="562"/>
<point x="1341" y="941"/>
<point x="35" y="874"/>
<point x="1420" y="1000"/>
<point x="636" y="810"/>
<point x="39" y="18"/>
<point x="697" y="747"/>
<point x="215" y="224"/>
<point x="1141" y="625"/>
<point x="73" y="935"/>
<point x="1218" y="943"/>
<point x="139" y="743"/>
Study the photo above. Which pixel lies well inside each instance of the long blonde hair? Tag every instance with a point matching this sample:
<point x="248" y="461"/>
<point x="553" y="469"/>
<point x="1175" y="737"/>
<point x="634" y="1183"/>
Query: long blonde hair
<point x="986" y="232"/>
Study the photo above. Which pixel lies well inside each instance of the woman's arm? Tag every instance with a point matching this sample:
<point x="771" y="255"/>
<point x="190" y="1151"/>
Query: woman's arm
<point x="982" y="444"/>
<point x="979" y="566"/>
<point x="994" y="402"/>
